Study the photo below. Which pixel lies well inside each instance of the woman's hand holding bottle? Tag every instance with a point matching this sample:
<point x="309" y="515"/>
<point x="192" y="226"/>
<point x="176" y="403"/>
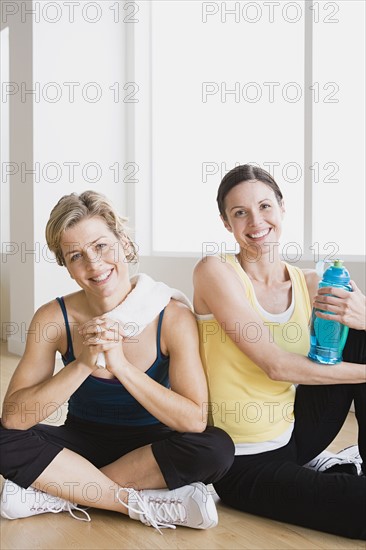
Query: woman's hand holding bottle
<point x="349" y="308"/>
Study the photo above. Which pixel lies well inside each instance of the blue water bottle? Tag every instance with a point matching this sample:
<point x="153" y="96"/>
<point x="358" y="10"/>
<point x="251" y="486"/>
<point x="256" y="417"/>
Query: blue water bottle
<point x="328" y="338"/>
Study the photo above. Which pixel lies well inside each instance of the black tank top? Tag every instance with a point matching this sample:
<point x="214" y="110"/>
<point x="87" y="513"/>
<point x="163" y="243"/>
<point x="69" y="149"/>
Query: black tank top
<point x="107" y="400"/>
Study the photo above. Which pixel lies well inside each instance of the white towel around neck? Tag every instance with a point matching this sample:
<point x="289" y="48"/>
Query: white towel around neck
<point x="142" y="305"/>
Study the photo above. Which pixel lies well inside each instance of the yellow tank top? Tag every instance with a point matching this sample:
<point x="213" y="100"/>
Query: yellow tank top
<point x="244" y="401"/>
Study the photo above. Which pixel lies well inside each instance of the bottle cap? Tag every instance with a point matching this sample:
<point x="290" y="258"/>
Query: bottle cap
<point x="337" y="274"/>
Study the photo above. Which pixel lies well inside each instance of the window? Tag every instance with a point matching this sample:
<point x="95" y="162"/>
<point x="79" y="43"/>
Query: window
<point x="339" y="129"/>
<point x="225" y="83"/>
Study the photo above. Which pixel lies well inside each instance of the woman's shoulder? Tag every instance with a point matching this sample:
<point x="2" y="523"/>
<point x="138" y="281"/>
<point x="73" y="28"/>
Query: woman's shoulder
<point x="310" y="275"/>
<point x="312" y="281"/>
<point x="47" y="328"/>
<point x="75" y="299"/>
<point x="215" y="264"/>
<point x="178" y="316"/>
<point x="52" y="310"/>
<point x="178" y="327"/>
<point x="176" y="310"/>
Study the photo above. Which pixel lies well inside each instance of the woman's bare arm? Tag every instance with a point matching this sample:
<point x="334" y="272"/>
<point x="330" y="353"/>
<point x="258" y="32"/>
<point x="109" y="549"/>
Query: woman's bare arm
<point x="219" y="290"/>
<point x="34" y="392"/>
<point x="184" y="406"/>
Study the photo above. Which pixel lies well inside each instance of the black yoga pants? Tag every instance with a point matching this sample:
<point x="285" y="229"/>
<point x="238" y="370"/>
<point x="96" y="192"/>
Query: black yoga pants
<point x="275" y="484"/>
<point x="183" y="458"/>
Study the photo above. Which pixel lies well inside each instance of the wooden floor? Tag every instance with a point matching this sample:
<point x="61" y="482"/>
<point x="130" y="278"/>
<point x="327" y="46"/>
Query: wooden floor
<point x="108" y="530"/>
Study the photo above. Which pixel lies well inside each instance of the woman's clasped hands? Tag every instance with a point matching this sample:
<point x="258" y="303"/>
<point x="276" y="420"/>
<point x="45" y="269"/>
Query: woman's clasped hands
<point x="103" y="335"/>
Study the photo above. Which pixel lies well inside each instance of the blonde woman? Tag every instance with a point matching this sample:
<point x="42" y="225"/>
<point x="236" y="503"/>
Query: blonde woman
<point x="135" y="439"/>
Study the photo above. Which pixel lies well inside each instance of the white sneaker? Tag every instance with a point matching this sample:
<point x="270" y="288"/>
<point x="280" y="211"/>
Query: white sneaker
<point x="352" y="455"/>
<point x="17" y="502"/>
<point x="189" y="506"/>
<point x="346" y="457"/>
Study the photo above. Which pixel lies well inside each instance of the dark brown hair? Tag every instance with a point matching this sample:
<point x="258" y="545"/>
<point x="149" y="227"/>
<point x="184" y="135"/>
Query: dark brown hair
<point x="241" y="174"/>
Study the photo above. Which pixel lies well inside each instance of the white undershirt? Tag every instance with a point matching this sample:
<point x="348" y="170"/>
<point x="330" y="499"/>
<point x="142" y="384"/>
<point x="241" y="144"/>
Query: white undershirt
<point x="264" y="446"/>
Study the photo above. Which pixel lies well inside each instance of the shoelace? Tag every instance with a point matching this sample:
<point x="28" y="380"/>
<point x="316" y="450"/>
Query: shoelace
<point x="68" y="507"/>
<point x="167" y="511"/>
<point x="55" y="505"/>
<point x="164" y="510"/>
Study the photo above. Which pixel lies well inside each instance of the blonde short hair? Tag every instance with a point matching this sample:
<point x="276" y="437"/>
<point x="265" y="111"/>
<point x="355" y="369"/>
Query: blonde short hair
<point x="73" y="208"/>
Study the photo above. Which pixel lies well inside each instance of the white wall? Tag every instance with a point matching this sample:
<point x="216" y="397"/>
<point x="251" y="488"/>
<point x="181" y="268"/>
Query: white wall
<point x="50" y="129"/>
<point x="177" y="272"/>
<point x="75" y="129"/>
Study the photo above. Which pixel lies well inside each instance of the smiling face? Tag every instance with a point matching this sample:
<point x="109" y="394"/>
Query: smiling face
<point x="253" y="215"/>
<point x="94" y="257"/>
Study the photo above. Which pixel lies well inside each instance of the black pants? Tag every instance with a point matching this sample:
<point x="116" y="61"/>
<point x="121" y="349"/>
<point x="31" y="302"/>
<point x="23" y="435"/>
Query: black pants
<point x="183" y="458"/>
<point x="275" y="484"/>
